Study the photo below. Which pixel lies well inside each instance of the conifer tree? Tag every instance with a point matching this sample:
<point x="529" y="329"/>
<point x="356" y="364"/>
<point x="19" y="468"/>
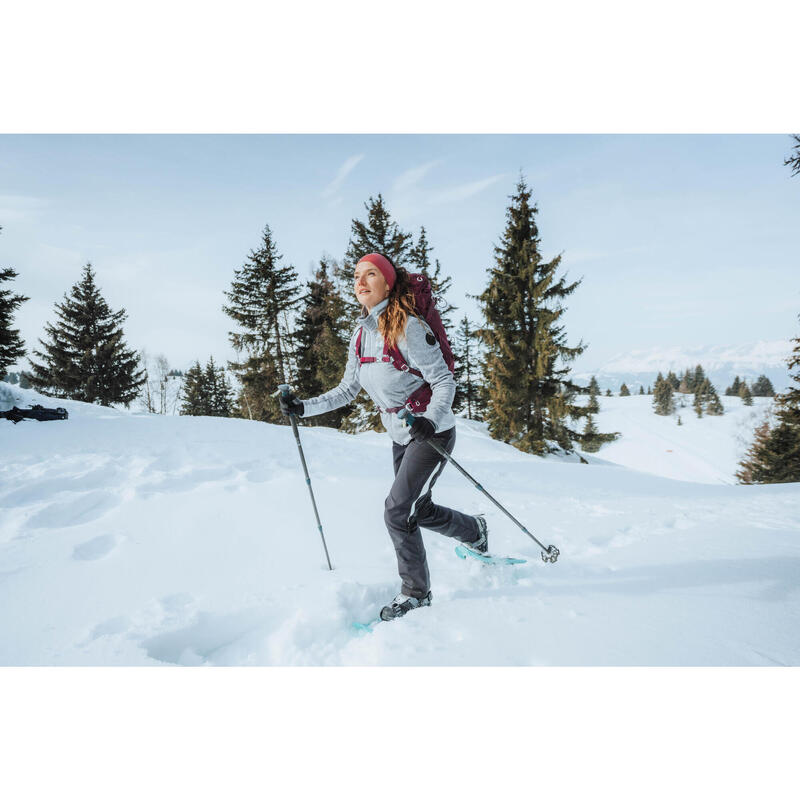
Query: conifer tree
<point x="793" y="160"/>
<point x="591" y="438"/>
<point x="751" y="465"/>
<point x="84" y="356"/>
<point x="733" y="389"/>
<point x="530" y="394"/>
<point x="698" y="405"/>
<point x="193" y="392"/>
<point x="777" y="458"/>
<point x="663" y="403"/>
<point x="683" y="386"/>
<point x="379" y="234"/>
<point x="419" y="261"/>
<point x="673" y="380"/>
<point x="12" y="348"/>
<point x="594" y="386"/>
<point x="467" y="371"/>
<point x="762" y="387"/>
<point x="745" y="394"/>
<point x="688" y="379"/>
<point x="261" y="293"/>
<point x="641" y="389"/>
<point x="624" y="391"/>
<point x="711" y="398"/>
<point x="698" y="378"/>
<point x="322" y="338"/>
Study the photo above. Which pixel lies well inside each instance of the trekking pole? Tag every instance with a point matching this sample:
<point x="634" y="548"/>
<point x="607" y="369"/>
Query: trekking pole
<point x="549" y="554"/>
<point x="284" y="389"/>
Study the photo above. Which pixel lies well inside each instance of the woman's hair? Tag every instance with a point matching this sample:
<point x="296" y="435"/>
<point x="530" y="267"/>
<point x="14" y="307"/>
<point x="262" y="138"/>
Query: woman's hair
<point x="392" y="323"/>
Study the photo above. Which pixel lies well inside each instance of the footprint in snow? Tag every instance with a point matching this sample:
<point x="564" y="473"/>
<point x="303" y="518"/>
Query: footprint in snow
<point x="84" y="508"/>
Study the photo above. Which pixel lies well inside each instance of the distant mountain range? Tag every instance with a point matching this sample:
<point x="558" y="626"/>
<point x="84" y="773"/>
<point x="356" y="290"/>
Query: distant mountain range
<point x="721" y="364"/>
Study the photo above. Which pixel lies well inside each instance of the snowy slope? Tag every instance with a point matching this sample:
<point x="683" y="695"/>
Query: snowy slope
<point x="707" y="450"/>
<point x="135" y="539"/>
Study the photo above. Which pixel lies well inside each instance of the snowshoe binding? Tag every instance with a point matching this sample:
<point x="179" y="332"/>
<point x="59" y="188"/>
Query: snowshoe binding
<point x="402" y="604"/>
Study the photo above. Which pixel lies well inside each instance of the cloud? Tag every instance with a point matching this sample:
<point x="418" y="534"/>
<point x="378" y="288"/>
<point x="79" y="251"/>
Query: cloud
<point x="343" y="172"/>
<point x="411" y="177"/>
<point x="466" y="190"/>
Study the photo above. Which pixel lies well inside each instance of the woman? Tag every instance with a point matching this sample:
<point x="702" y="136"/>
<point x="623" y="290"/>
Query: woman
<point x="388" y="318"/>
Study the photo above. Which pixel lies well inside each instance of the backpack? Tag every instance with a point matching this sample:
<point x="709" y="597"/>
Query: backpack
<point x="425" y="306"/>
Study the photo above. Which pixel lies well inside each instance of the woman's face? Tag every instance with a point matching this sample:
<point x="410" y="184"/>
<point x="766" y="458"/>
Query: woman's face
<point x="370" y="285"/>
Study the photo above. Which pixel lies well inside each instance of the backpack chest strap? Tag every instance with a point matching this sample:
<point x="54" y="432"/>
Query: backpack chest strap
<point x="392" y="355"/>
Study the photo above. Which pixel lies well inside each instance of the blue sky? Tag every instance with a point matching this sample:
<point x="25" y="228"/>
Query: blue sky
<point x="680" y="240"/>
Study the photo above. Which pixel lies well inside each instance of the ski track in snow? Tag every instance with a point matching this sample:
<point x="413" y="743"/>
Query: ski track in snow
<point x="132" y="539"/>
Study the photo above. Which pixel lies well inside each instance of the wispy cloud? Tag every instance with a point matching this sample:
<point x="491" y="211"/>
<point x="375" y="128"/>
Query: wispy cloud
<point x="466" y="190"/>
<point x="343" y="172"/>
<point x="411" y="177"/>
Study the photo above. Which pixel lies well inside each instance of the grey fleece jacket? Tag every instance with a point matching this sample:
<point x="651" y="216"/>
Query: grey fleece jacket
<point x="389" y="387"/>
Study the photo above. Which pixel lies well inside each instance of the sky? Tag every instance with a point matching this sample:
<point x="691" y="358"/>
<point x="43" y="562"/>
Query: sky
<point x="680" y="240"/>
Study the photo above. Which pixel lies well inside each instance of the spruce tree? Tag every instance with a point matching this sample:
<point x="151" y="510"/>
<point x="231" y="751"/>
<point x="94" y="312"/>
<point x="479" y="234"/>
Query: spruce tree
<point x="663" y="403"/>
<point x="218" y="390"/>
<point x="698" y="405"/>
<point x="530" y="394"/>
<point x="467" y="370"/>
<point x="751" y="464"/>
<point x="698" y="378"/>
<point x="419" y="261"/>
<point x="714" y="406"/>
<point x="641" y="389"/>
<point x="379" y="234"/>
<point x="594" y="386"/>
<point x="624" y="391"/>
<point x="733" y="389"/>
<point x="262" y="293"/>
<point x="84" y="356"/>
<point x="777" y="458"/>
<point x="745" y="394"/>
<point x="762" y="387"/>
<point x="688" y="380"/>
<point x="591" y="438"/>
<point x="193" y="393"/>
<point x="793" y="160"/>
<point x="12" y="348"/>
<point x="673" y="379"/>
<point x="322" y="339"/>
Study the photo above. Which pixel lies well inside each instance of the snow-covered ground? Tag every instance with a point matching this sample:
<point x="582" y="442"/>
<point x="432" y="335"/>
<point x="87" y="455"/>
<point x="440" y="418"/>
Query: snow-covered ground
<point x="136" y="539"/>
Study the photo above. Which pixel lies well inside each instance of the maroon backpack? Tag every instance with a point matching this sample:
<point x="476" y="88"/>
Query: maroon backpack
<point x="425" y="305"/>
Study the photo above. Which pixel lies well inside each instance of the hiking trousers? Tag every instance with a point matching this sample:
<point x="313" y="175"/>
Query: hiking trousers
<point x="410" y="506"/>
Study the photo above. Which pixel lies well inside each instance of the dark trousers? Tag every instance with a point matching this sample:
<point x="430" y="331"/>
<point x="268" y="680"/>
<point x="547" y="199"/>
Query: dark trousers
<point x="410" y="505"/>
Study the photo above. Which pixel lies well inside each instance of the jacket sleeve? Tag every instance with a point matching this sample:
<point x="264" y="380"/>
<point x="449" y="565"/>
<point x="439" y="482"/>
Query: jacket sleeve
<point x="425" y="355"/>
<point x="345" y="392"/>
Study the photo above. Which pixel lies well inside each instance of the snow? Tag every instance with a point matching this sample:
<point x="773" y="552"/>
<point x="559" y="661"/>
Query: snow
<point x="136" y="539"/>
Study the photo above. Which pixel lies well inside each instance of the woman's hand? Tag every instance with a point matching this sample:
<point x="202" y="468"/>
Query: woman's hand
<point x="422" y="429"/>
<point x="290" y="405"/>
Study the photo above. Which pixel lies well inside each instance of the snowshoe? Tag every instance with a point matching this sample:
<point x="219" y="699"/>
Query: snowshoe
<point x="402" y="604"/>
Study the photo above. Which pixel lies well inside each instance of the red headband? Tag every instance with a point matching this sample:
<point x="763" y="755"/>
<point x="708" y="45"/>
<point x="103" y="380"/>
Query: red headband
<point x="383" y="264"/>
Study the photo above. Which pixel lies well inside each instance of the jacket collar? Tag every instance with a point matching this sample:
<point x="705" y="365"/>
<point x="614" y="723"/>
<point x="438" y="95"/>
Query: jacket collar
<point x="371" y="319"/>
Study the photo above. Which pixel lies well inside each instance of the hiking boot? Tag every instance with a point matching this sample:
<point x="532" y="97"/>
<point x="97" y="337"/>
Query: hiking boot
<point x="402" y="604"/>
<point x="481" y="544"/>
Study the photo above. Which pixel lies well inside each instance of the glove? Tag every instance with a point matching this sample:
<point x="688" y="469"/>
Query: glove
<point x="290" y="405"/>
<point x="422" y="429"/>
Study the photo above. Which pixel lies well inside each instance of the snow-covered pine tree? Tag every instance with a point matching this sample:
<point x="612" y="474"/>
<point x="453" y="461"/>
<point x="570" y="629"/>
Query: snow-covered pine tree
<point x="262" y="291"/>
<point x="379" y="234"/>
<point x="322" y="338"/>
<point x="762" y="387"/>
<point x="84" y="356"/>
<point x="530" y="393"/>
<point x="624" y="391"/>
<point x="12" y="348"/>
